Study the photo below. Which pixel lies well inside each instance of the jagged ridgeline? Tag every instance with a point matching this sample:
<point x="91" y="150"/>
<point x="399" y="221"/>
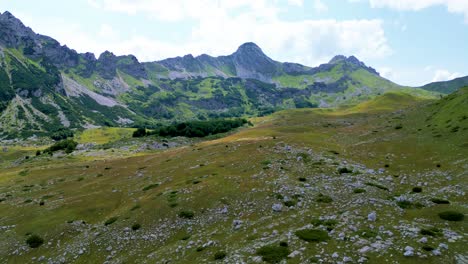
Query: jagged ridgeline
<point x="45" y="86"/>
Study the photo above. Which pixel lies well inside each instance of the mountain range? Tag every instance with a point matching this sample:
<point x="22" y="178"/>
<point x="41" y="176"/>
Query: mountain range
<point x="45" y="86"/>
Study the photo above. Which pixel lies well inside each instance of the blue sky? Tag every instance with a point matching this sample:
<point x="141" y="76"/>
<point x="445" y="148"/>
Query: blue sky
<point x="411" y="42"/>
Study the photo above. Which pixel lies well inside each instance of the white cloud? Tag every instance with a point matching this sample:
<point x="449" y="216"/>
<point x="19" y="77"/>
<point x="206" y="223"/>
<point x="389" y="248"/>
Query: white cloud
<point x="386" y="72"/>
<point x="453" y="6"/>
<point x="444" y="75"/>
<point x="220" y="26"/>
<point x="219" y="29"/>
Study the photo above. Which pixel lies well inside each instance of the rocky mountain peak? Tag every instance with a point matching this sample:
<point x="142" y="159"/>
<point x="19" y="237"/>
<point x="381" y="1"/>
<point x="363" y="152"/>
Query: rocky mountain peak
<point x="353" y="62"/>
<point x="250" y="49"/>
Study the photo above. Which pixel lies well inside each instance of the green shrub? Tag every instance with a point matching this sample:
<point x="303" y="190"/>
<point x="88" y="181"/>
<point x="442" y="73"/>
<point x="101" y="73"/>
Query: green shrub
<point x="186" y="237"/>
<point x="289" y="203"/>
<point x="140" y="132"/>
<point x="344" y="170"/>
<point x="136" y="226"/>
<point x="62" y="134"/>
<point x="199" y="128"/>
<point x="329" y="223"/>
<point x="321" y="198"/>
<point x="136" y="206"/>
<point x="151" y="186"/>
<point x="67" y="145"/>
<point x="376" y="185"/>
<point x="417" y="189"/>
<point x="359" y="190"/>
<point x="200" y="249"/>
<point x="430" y="232"/>
<point x="273" y="253"/>
<point x="34" y="241"/>
<point x="302" y="179"/>
<point x="219" y="255"/>
<point x="427" y="248"/>
<point x="367" y="233"/>
<point x="440" y="201"/>
<point x="404" y="204"/>
<point x="312" y="235"/>
<point x="283" y="244"/>
<point x="111" y="220"/>
<point x="452" y="216"/>
<point x="186" y="214"/>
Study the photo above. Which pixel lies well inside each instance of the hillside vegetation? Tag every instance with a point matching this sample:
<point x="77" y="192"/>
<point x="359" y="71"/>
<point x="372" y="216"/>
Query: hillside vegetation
<point x="382" y="182"/>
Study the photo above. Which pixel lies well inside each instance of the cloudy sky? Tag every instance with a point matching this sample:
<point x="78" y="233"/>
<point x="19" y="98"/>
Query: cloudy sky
<point x="411" y="42"/>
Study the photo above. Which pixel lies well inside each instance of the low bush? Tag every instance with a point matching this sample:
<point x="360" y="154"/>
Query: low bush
<point x="186" y="214"/>
<point x="452" y="216"/>
<point x="344" y="170"/>
<point x="151" y="186"/>
<point x="367" y="233"/>
<point x="359" y="190"/>
<point x="67" y="145"/>
<point x="140" y="132"/>
<point x="417" y="189"/>
<point x="283" y="244"/>
<point x="273" y="253"/>
<point x="219" y="255"/>
<point x="34" y="241"/>
<point x="136" y="226"/>
<point x="312" y="235"/>
<point x="110" y="221"/>
<point x="289" y="203"/>
<point x="329" y="223"/>
<point x="376" y="185"/>
<point x="430" y="232"/>
<point x="321" y="198"/>
<point x="440" y="201"/>
<point x="427" y="248"/>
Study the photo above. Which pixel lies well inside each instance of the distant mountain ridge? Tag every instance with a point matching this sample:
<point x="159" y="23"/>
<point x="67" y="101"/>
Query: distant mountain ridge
<point x="447" y="87"/>
<point x="45" y="86"/>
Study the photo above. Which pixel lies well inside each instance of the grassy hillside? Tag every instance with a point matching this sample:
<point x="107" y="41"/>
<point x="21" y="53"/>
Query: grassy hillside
<point x="318" y="169"/>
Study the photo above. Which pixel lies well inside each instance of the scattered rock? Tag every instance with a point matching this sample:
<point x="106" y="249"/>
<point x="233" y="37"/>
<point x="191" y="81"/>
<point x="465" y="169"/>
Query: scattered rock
<point x="372" y="216"/>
